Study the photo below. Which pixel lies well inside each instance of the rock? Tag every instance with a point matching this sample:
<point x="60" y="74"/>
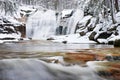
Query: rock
<point x="9" y="29"/>
<point x="78" y="57"/>
<point x="111" y="42"/>
<point x="104" y="35"/>
<point x="64" y="42"/>
<point x="22" y="30"/>
<point x="7" y="38"/>
<point x="111" y="71"/>
<point x="117" y="43"/>
<point x="100" y="57"/>
<point x="82" y="33"/>
<point x="50" y="38"/>
<point x="59" y="30"/>
<point x="92" y="35"/>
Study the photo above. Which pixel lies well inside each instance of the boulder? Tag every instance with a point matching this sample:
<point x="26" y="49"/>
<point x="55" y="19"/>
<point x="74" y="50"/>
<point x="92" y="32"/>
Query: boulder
<point x="22" y="30"/>
<point x="50" y="38"/>
<point x="82" y="33"/>
<point x="92" y="35"/>
<point x="104" y="35"/>
<point x="117" y="43"/>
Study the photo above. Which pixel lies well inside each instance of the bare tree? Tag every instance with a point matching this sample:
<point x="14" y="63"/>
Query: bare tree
<point x="117" y="5"/>
<point x="8" y="6"/>
<point x="113" y="11"/>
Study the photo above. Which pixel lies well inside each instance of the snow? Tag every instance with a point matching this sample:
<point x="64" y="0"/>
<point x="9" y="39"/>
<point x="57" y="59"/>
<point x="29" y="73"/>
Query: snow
<point x="15" y="36"/>
<point x="85" y="19"/>
<point x="105" y="41"/>
<point x="9" y="36"/>
<point x="66" y="12"/>
<point x="73" y="38"/>
<point x="76" y="17"/>
<point x="1" y="41"/>
<point x="27" y="10"/>
<point x="46" y="21"/>
<point x="118" y="17"/>
<point x="13" y="21"/>
<point x="98" y="27"/>
<point x="118" y="14"/>
<point x="113" y="38"/>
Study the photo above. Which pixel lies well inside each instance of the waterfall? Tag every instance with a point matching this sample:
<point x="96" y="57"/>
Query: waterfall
<point x="44" y="24"/>
<point x="41" y="25"/>
<point x="76" y="17"/>
<point x="34" y="69"/>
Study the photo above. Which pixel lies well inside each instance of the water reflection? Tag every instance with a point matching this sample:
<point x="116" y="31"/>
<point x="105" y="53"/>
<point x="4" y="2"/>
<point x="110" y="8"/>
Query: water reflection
<point x="47" y="46"/>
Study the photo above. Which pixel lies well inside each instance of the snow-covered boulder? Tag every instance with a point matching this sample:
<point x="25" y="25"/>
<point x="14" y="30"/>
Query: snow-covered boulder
<point x="9" y="38"/>
<point x="72" y="38"/>
<point x="67" y="13"/>
<point x="27" y="10"/>
<point x="85" y="20"/>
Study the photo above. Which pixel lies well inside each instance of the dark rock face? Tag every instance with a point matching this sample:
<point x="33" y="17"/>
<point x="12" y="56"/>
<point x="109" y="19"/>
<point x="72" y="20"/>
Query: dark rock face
<point x="82" y="33"/>
<point x="111" y="42"/>
<point x="91" y="37"/>
<point x="22" y="30"/>
<point x="64" y="42"/>
<point x="104" y="35"/>
<point x="7" y="38"/>
<point x="59" y="30"/>
<point x="9" y="29"/>
<point x="50" y="38"/>
<point x="117" y="43"/>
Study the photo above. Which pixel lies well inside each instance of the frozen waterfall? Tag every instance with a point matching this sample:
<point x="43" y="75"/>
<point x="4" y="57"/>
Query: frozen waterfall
<point x="41" y="25"/>
<point x="44" y="24"/>
<point x="76" y="17"/>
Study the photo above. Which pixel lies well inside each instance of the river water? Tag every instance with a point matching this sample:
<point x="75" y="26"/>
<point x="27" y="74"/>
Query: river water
<point x="24" y="61"/>
<point x="47" y="46"/>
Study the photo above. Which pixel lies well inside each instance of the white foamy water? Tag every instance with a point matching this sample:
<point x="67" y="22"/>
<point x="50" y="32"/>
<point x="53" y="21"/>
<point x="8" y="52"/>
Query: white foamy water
<point x="41" y="25"/>
<point x="77" y="16"/>
<point x="34" y="69"/>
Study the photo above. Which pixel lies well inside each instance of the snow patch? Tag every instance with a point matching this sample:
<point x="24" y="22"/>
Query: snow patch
<point x="66" y="12"/>
<point x="73" y="38"/>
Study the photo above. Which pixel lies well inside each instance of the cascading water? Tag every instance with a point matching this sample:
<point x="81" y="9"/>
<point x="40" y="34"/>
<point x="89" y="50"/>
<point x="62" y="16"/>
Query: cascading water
<point x="41" y="25"/>
<point x="77" y="16"/>
<point x="44" y="24"/>
<point x="34" y="69"/>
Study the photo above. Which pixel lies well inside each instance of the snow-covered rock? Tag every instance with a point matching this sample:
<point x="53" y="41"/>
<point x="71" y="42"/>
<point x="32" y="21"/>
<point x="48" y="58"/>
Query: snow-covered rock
<point x="85" y="19"/>
<point x="67" y="13"/>
<point x="73" y="38"/>
<point x="9" y="38"/>
<point x="27" y="10"/>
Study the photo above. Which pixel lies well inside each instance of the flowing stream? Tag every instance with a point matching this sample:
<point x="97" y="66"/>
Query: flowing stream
<point x="33" y="69"/>
<point x="25" y="60"/>
<point x="42" y="24"/>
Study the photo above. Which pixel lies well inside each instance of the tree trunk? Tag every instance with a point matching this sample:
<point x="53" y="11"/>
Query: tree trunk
<point x="113" y="11"/>
<point x="117" y="5"/>
<point x="106" y="9"/>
